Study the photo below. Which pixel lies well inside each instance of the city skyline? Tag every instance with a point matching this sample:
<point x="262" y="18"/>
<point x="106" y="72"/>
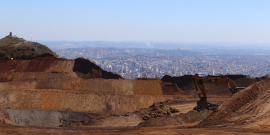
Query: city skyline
<point x="132" y="63"/>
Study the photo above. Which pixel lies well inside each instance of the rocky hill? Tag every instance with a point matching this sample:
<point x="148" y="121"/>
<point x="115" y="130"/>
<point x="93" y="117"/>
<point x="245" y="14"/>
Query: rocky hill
<point x="18" y="48"/>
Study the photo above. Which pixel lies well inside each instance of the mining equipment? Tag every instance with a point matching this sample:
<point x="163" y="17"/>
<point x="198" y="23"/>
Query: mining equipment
<point x="198" y="82"/>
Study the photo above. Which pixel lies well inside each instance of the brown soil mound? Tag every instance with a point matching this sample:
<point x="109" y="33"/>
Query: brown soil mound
<point x="160" y="114"/>
<point x="172" y="89"/>
<point x="247" y="108"/>
<point x="185" y="83"/>
<point x="86" y="69"/>
<point x="260" y="78"/>
<point x="235" y="77"/>
<point x="190" y="117"/>
<point x="244" y="82"/>
<point x="156" y="110"/>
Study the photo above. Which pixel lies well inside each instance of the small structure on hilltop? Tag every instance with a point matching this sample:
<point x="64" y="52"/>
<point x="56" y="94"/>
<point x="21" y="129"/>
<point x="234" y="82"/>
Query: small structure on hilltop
<point x="10" y="34"/>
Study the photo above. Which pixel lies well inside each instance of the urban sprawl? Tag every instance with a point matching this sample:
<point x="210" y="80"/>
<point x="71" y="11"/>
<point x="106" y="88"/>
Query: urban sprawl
<point x="135" y="63"/>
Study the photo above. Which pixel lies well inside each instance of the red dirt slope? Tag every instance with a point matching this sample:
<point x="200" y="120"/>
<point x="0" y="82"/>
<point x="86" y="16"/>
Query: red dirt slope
<point x="82" y="67"/>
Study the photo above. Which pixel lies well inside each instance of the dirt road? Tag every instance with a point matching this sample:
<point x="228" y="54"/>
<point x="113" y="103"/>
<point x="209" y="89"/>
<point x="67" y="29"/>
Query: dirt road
<point x="175" y="130"/>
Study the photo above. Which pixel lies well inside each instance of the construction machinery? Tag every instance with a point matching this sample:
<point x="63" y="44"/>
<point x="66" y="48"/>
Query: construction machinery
<point x="198" y="82"/>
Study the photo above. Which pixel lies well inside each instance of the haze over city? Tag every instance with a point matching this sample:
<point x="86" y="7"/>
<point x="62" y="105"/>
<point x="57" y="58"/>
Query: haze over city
<point x="149" y="38"/>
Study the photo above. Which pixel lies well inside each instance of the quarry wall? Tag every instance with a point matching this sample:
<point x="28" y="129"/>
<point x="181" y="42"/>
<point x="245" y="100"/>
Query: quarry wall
<point x="51" y="99"/>
<point x="32" y="117"/>
<point x="110" y="86"/>
<point x="37" y="65"/>
<point x="19" y="76"/>
<point x="52" y="85"/>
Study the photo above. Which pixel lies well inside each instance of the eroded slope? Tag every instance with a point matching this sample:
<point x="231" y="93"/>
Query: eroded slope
<point x="250" y="107"/>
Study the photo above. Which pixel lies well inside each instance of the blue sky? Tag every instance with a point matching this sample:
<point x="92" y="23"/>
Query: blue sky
<point x="244" y="21"/>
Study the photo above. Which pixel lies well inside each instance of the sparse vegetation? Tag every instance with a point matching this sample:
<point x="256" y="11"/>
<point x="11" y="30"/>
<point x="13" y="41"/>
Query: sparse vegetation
<point x="21" y="52"/>
<point x="18" y="48"/>
<point x="8" y="41"/>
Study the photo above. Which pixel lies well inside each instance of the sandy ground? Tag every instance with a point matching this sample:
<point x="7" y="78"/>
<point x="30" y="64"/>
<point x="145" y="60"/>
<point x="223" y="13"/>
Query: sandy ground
<point x="117" y="121"/>
<point x="110" y="128"/>
<point x="174" y="130"/>
<point x="184" y="108"/>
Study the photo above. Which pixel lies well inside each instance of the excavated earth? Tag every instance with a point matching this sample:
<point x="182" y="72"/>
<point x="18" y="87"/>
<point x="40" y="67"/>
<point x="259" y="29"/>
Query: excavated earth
<point x="159" y="115"/>
<point x="248" y="108"/>
<point x="49" y="91"/>
<point x="213" y="90"/>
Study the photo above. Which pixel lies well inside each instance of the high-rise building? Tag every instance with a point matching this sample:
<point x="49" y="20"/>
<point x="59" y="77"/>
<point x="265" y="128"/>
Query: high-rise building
<point x="141" y="69"/>
<point x="126" y="70"/>
<point x="133" y="64"/>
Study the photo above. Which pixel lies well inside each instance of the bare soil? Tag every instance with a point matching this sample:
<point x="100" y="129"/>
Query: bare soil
<point x="246" y="112"/>
<point x="247" y="108"/>
<point x="160" y="114"/>
<point x="169" y="130"/>
<point x="213" y="90"/>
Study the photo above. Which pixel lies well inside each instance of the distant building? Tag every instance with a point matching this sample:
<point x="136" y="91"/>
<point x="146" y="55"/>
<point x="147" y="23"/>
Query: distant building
<point x="126" y="70"/>
<point x="141" y="69"/>
<point x="133" y="64"/>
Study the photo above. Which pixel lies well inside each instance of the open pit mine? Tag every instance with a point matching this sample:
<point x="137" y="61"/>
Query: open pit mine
<point x="49" y="95"/>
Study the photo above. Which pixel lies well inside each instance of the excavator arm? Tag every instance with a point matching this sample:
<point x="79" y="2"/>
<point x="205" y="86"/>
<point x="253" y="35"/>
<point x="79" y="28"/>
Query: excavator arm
<point x="198" y="82"/>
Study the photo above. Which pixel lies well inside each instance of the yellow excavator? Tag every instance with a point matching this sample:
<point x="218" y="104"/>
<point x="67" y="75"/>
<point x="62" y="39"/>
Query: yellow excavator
<point x="198" y="82"/>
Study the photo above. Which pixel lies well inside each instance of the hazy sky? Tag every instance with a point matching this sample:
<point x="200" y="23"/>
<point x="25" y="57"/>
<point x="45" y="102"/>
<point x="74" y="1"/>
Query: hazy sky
<point x="246" y="21"/>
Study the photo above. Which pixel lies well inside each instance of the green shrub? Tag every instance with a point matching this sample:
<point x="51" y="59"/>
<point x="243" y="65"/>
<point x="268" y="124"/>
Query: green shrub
<point x="19" y="48"/>
<point x="2" y="54"/>
<point x="21" y="52"/>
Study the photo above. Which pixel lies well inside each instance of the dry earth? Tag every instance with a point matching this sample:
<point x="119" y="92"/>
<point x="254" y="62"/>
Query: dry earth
<point x="84" y="99"/>
<point x="247" y="108"/>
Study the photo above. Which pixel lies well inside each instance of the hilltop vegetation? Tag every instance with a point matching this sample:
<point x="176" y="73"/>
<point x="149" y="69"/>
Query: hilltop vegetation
<point x="19" y="48"/>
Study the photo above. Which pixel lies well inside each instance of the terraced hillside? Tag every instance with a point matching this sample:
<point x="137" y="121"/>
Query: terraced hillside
<point x="52" y="84"/>
<point x="50" y="91"/>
